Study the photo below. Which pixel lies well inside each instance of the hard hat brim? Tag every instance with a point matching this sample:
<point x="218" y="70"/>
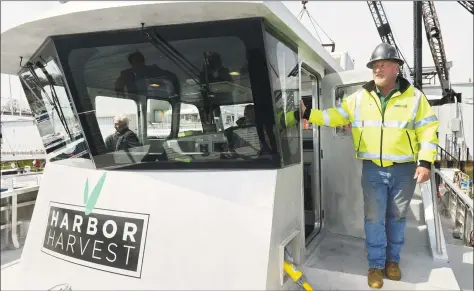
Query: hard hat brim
<point x="370" y="64"/>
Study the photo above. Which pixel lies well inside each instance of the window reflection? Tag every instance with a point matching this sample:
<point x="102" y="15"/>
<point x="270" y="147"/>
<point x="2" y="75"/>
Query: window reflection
<point x="52" y="108"/>
<point x="284" y="77"/>
<point x="340" y="94"/>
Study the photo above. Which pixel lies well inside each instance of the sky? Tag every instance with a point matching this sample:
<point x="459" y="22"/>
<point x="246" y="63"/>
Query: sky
<point x="348" y="23"/>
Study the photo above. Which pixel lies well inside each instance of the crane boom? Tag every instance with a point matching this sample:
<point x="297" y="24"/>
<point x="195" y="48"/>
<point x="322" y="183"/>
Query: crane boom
<point x="384" y="29"/>
<point x="469" y="5"/>
<point x="380" y="19"/>
<point x="435" y="40"/>
<point x="433" y="34"/>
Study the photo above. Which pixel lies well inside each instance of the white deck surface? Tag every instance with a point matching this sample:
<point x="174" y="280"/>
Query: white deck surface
<point x="340" y="263"/>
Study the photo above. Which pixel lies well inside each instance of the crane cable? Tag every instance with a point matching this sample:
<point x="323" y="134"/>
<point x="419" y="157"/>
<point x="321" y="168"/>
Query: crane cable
<point x="313" y="22"/>
<point x="397" y="42"/>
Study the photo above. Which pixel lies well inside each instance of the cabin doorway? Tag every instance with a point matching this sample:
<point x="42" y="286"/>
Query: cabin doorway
<point x="311" y="157"/>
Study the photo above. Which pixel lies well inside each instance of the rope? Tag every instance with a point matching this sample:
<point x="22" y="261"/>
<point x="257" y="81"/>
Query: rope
<point x="313" y="21"/>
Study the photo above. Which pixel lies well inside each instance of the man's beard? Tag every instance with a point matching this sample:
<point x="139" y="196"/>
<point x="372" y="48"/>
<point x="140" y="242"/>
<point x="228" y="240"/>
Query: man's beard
<point x="380" y="82"/>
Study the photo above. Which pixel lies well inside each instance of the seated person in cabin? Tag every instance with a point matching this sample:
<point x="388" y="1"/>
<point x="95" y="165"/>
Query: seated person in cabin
<point x="123" y="138"/>
<point x="244" y="138"/>
<point x="139" y="72"/>
<point x="249" y="117"/>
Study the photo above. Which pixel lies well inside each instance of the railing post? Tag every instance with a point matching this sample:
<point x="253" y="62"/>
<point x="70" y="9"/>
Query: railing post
<point x="437" y="220"/>
<point x="14" y="221"/>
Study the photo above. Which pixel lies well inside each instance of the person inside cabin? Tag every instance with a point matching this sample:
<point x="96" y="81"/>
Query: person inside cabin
<point x="123" y="138"/>
<point x="249" y="117"/>
<point x="216" y="72"/>
<point x="142" y="77"/>
<point x="397" y="143"/>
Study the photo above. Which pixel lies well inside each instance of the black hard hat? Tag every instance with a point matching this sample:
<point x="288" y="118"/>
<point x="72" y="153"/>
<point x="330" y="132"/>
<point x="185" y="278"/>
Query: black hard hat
<point x="384" y="51"/>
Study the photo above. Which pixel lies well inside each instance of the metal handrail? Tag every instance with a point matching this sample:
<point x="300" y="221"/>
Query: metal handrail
<point x="14" y="210"/>
<point x="13" y="184"/>
<point x="465" y="202"/>
<point x="9" y="176"/>
<point x="436" y="215"/>
<point x="465" y="199"/>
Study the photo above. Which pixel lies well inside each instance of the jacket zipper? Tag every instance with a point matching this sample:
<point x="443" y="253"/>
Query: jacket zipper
<point x="409" y="141"/>
<point x="381" y="128"/>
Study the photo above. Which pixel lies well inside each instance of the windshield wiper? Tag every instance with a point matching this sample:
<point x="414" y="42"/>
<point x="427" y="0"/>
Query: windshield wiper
<point x="294" y="72"/>
<point x="170" y="52"/>
<point x="185" y="65"/>
<point x="54" y="101"/>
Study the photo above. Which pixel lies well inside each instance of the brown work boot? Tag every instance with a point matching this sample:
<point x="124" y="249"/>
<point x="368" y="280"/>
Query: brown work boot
<point x="392" y="271"/>
<point x="375" y="278"/>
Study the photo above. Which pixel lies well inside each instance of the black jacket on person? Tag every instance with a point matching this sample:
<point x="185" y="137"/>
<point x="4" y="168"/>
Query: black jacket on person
<point x="121" y="141"/>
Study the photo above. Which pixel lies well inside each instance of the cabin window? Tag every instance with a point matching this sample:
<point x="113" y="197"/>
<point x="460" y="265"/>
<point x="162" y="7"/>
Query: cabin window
<point x="202" y="92"/>
<point x="52" y="109"/>
<point x="284" y="77"/>
<point x="340" y="94"/>
<point x="158" y="118"/>
<point x="189" y="120"/>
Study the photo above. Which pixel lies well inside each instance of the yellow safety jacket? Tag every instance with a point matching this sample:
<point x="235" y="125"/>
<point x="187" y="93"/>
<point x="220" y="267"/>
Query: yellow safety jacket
<point x="405" y="132"/>
<point x="289" y="119"/>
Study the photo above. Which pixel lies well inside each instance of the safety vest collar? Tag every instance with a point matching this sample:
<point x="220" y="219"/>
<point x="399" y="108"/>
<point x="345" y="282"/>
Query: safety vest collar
<point x="390" y="94"/>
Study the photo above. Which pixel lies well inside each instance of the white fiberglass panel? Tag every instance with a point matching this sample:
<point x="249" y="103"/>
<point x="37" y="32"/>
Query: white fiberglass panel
<point x="181" y="229"/>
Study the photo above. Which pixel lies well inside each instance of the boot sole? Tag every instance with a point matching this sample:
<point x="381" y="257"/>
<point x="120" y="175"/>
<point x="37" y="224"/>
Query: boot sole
<point x="393" y="278"/>
<point x="376" y="287"/>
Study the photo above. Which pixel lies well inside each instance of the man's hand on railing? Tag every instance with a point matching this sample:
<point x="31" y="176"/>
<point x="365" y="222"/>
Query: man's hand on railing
<point x="422" y="175"/>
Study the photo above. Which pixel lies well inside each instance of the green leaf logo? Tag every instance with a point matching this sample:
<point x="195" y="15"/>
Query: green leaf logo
<point x="91" y="200"/>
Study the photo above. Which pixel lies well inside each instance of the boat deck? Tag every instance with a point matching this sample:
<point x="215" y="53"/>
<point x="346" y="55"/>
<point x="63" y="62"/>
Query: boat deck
<point x="339" y="262"/>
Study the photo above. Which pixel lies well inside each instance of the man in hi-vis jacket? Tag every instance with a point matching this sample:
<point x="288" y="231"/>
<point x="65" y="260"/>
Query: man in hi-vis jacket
<point x="395" y="134"/>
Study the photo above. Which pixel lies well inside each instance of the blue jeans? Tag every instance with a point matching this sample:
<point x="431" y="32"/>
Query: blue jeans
<point x="387" y="195"/>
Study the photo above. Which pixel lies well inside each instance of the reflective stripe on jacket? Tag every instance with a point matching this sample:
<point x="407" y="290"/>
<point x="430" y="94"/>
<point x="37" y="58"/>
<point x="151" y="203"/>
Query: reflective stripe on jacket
<point x="406" y="132"/>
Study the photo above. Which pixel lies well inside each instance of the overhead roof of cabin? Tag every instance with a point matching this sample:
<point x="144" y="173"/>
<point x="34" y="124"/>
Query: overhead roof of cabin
<point x="76" y="17"/>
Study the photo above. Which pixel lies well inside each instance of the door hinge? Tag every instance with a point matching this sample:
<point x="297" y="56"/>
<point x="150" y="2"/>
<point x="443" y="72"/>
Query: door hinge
<point x="321" y="155"/>
<point x="320" y="91"/>
<point x="322" y="214"/>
